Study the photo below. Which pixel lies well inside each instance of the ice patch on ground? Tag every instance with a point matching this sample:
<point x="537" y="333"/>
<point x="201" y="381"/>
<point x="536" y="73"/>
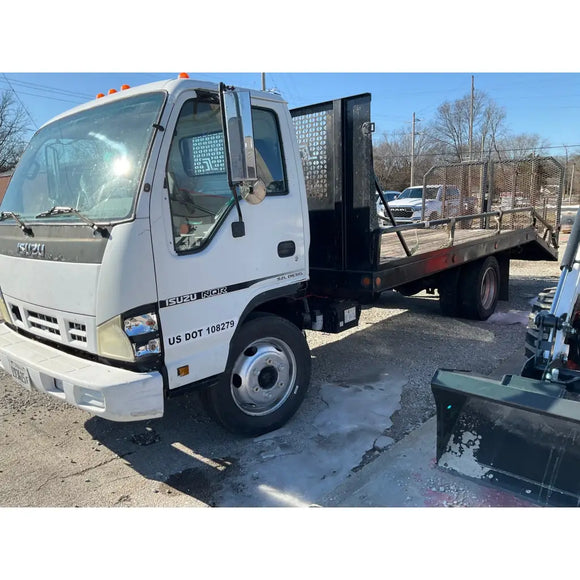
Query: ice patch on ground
<point x="509" y="317"/>
<point x="278" y="472"/>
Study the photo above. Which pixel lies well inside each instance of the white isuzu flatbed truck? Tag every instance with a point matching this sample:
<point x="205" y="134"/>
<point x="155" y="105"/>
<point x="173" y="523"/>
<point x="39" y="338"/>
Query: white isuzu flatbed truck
<point x="184" y="234"/>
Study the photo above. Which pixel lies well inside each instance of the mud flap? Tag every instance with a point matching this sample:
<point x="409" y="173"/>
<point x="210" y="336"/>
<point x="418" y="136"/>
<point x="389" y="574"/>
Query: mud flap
<point x="519" y="434"/>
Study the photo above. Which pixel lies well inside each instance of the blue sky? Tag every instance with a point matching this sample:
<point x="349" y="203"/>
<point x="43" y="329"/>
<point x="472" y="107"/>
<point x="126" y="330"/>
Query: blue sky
<point x="544" y="103"/>
<point x="410" y="56"/>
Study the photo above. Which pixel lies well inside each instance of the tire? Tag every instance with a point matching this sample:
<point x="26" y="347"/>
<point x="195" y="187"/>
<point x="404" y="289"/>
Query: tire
<point x="543" y="302"/>
<point x="266" y="377"/>
<point x="479" y="289"/>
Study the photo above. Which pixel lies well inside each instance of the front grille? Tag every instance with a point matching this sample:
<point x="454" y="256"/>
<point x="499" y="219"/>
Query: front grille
<point x="65" y="328"/>
<point x="63" y="331"/>
<point x="43" y="322"/>
<point x="77" y="332"/>
<point x="402" y="212"/>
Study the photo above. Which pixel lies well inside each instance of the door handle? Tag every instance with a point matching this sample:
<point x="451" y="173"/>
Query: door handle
<point x="286" y="249"/>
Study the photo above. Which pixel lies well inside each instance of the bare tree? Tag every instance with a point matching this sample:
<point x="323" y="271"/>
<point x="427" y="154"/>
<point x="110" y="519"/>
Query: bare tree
<point x="520" y="146"/>
<point x="392" y="158"/>
<point x="450" y="128"/>
<point x="13" y="128"/>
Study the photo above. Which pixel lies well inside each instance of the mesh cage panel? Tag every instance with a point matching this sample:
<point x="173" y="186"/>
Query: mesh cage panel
<point x="532" y="182"/>
<point x="455" y="190"/>
<point x="470" y="188"/>
<point x="314" y="135"/>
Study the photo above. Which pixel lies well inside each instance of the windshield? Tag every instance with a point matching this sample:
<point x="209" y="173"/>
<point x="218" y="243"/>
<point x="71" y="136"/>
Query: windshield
<point x="417" y="193"/>
<point x="91" y="161"/>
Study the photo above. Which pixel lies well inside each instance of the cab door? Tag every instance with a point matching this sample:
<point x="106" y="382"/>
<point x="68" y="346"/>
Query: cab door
<point x="206" y="275"/>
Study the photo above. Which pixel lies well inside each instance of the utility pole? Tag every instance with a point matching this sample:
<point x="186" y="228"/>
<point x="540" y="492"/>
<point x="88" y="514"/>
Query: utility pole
<point x="565" y="184"/>
<point x="471" y="120"/>
<point x="413" y="150"/>
<point x="571" y="183"/>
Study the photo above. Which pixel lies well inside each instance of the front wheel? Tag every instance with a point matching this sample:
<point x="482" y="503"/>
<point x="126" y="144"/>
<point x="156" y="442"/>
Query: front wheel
<point x="266" y="378"/>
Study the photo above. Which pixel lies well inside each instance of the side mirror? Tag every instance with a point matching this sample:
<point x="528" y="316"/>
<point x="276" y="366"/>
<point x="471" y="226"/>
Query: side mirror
<point x="240" y="150"/>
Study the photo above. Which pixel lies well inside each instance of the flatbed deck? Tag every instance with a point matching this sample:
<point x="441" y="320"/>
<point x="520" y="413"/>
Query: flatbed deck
<point x="429" y="240"/>
<point x="432" y="250"/>
<point x="421" y="241"/>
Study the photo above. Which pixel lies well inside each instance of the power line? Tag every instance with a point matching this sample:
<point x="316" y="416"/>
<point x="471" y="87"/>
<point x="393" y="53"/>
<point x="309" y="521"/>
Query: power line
<point x="406" y="156"/>
<point x="20" y="101"/>
<point x="77" y="102"/>
<point x="35" y="86"/>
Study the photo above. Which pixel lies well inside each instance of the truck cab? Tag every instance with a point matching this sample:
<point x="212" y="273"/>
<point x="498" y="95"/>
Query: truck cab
<point x="128" y="242"/>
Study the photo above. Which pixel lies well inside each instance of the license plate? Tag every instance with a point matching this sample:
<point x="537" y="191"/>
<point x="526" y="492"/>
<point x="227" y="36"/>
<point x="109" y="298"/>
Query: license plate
<point x="20" y="374"/>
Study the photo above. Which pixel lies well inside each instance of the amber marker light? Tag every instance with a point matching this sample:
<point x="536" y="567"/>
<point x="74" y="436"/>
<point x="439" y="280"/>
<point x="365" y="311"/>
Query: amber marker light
<point x="100" y="95"/>
<point x="183" y="371"/>
<point x="125" y="87"/>
<point x="183" y="76"/>
<point x="112" y="91"/>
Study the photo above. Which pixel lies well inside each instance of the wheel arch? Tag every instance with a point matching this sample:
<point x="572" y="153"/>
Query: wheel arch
<point x="285" y="302"/>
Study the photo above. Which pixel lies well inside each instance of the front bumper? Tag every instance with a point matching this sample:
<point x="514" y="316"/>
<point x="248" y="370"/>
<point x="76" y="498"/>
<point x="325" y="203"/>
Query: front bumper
<point x="108" y="392"/>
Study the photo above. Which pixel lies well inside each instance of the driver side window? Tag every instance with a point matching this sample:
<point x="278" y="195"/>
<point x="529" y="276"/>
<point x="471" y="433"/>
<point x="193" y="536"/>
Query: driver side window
<point x="199" y="192"/>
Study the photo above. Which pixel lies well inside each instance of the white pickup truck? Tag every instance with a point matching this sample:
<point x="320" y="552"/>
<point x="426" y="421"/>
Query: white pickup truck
<point x="408" y="207"/>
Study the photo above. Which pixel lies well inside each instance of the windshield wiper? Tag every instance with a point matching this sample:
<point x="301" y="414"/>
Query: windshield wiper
<point x="5" y="215"/>
<point x="64" y="210"/>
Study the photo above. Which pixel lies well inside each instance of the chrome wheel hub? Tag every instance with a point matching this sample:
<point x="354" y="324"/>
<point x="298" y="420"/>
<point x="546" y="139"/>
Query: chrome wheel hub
<point x="488" y="287"/>
<point x="263" y="376"/>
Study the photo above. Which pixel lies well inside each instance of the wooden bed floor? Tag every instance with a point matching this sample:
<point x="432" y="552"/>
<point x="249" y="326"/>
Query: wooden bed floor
<point x="422" y="241"/>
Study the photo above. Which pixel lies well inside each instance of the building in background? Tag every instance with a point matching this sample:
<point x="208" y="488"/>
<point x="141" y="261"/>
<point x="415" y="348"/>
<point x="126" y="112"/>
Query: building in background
<point x="4" y="181"/>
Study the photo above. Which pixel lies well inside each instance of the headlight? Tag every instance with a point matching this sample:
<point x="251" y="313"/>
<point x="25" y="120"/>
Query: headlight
<point x="112" y="342"/>
<point x="129" y="337"/>
<point x="143" y="332"/>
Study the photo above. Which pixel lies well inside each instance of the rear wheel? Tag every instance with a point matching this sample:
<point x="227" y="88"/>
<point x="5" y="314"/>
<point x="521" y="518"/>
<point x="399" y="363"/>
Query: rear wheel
<point x="266" y="378"/>
<point x="479" y="289"/>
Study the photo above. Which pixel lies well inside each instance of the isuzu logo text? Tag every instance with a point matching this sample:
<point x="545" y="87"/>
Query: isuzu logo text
<point x="31" y="250"/>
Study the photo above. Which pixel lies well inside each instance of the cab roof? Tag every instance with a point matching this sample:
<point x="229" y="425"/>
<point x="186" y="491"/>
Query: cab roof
<point x="173" y="87"/>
